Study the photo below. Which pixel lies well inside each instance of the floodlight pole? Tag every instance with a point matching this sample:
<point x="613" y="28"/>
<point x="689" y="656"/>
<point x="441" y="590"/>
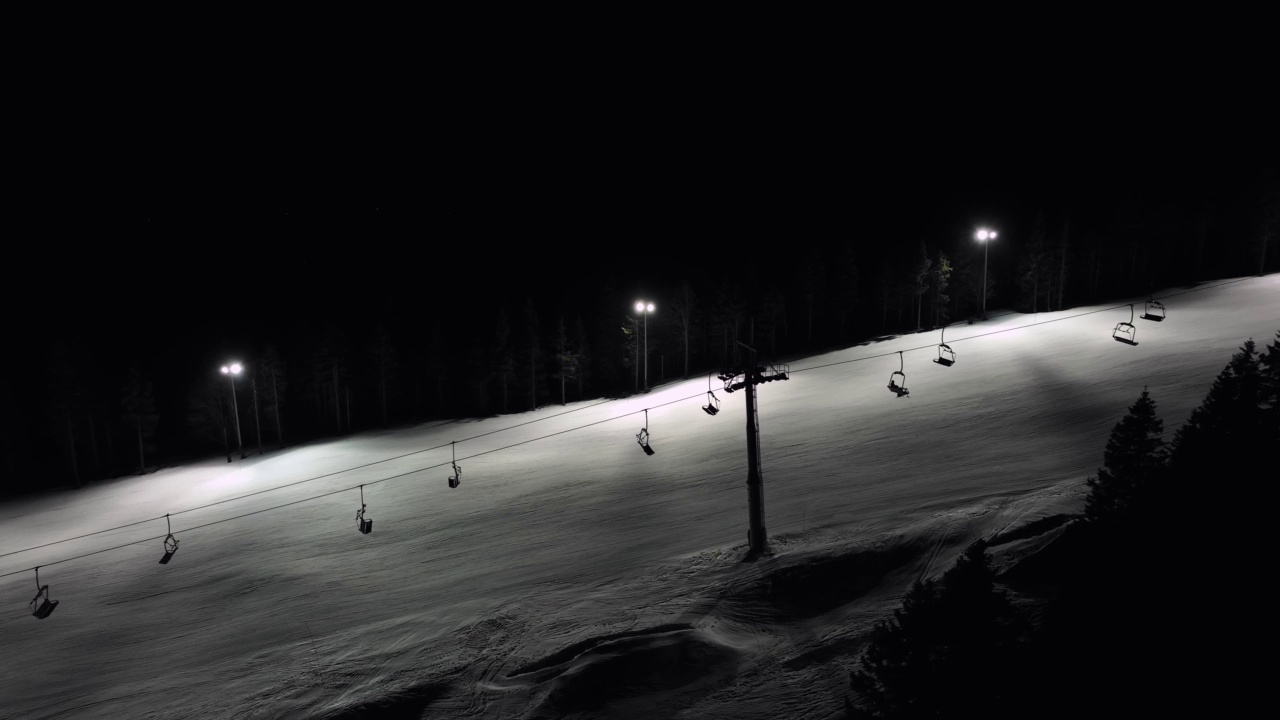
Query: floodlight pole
<point x="231" y="371"/>
<point x="636" y="337"/>
<point x="985" y="246"/>
<point x="646" y="350"/>
<point x="645" y="307"/>
<point x="235" y="409"/>
<point x="985" y="237"/>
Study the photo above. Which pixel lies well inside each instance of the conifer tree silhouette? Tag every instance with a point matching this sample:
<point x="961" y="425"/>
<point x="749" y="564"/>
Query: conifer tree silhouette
<point x="1133" y="463"/>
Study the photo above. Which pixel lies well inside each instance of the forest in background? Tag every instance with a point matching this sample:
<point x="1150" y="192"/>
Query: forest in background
<point x="97" y="401"/>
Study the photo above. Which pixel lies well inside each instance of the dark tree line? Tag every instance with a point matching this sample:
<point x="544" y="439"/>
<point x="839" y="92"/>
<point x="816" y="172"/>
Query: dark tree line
<point x="1138" y="609"/>
<point x="87" y="417"/>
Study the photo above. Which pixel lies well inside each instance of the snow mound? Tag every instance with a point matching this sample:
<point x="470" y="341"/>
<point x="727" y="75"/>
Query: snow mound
<point x="635" y="674"/>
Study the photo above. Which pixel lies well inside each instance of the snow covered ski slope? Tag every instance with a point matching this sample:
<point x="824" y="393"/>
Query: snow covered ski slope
<point x="570" y="574"/>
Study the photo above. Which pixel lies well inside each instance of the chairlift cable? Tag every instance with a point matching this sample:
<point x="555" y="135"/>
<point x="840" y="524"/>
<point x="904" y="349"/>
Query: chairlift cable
<point x="507" y="447"/>
<point x="1020" y="327"/>
<point x="298" y="482"/>
<point x="353" y="487"/>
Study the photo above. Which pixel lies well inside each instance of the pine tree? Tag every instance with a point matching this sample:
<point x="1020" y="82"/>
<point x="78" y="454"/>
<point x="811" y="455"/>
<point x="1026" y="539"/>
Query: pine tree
<point x="272" y="383"/>
<point x="209" y="412"/>
<point x="436" y="363"/>
<point x="773" y="316"/>
<point x="532" y="351"/>
<point x="1063" y="257"/>
<point x="951" y="650"/>
<point x="66" y="405"/>
<point x="1227" y="425"/>
<point x="383" y="354"/>
<point x="504" y="360"/>
<point x="726" y="313"/>
<point x="631" y="348"/>
<point x="1269" y="366"/>
<point x="918" y="281"/>
<point x="584" y="355"/>
<point x="684" y="301"/>
<point x="566" y="358"/>
<point x="1133" y="465"/>
<point x="940" y="279"/>
<point x="1034" y="264"/>
<point x="844" y="295"/>
<point x="1224" y="449"/>
<point x="139" y="413"/>
<point x="812" y="287"/>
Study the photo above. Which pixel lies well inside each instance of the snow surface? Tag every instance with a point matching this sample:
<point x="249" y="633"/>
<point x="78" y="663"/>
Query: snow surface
<point x="572" y="575"/>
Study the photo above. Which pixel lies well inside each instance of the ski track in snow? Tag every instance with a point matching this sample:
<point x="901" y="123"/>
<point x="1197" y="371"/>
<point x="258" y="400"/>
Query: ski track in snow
<point x="574" y="576"/>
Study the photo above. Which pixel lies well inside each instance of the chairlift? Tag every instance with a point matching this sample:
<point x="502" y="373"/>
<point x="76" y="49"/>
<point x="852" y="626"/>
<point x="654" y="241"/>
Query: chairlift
<point x="1125" y="332"/>
<point x="946" y="356"/>
<point x="456" y="477"/>
<point x="642" y="437"/>
<point x="41" y="605"/>
<point x="1154" y="311"/>
<point x="727" y="376"/>
<point x="170" y="543"/>
<point x="363" y="524"/>
<point x="898" y="379"/>
<point x="713" y="403"/>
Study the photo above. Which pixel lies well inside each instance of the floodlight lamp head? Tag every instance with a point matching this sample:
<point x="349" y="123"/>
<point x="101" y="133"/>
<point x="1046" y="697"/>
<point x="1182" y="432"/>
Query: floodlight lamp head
<point x="639" y="306"/>
<point x="649" y="307"/>
<point x="983" y="234"/>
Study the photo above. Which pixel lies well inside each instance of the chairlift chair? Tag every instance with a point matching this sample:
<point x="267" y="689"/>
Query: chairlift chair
<point x="456" y="478"/>
<point x="41" y="605"/>
<point x="946" y="356"/>
<point x="1125" y="332"/>
<point x="170" y="543"/>
<point x="363" y="524"/>
<point x="898" y="379"/>
<point x="713" y="403"/>
<point x="642" y="437"/>
<point x="1154" y="311"/>
<point x="728" y="376"/>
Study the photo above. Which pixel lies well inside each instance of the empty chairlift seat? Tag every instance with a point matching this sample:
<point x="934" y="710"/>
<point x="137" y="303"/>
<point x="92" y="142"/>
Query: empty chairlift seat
<point x="713" y="403"/>
<point x="1125" y="332"/>
<point x="898" y="379"/>
<point x="41" y="605"/>
<point x="456" y="478"/>
<point x="170" y="543"/>
<point x="642" y="437"/>
<point x="363" y="524"/>
<point x="946" y="356"/>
